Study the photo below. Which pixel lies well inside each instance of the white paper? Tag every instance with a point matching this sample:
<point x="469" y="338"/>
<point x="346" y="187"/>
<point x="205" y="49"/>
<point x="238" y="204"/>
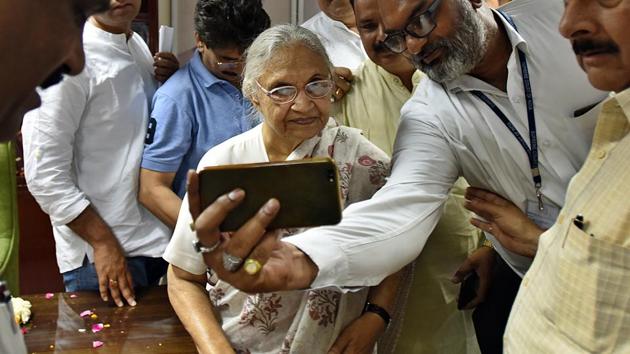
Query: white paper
<point x="166" y="39"/>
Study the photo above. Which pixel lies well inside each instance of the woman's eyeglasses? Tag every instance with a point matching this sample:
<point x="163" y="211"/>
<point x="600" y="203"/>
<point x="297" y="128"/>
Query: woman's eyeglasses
<point x="419" y="26"/>
<point x="287" y="94"/>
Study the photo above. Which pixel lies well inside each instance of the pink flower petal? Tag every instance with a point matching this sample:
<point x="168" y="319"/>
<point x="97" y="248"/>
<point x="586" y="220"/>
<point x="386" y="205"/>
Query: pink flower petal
<point x="72" y="296"/>
<point x="97" y="343"/>
<point x="49" y="296"/>
<point x="85" y="313"/>
<point x="97" y="327"/>
<point x="24" y="330"/>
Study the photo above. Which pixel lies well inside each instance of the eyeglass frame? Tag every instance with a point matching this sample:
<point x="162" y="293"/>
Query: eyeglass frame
<point x="297" y="91"/>
<point x="428" y="15"/>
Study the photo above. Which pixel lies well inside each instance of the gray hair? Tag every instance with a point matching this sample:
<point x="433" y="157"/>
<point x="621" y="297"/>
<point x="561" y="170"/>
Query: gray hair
<point x="264" y="49"/>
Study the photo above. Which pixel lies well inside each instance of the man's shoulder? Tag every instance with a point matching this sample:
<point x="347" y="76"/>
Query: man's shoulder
<point x="314" y="22"/>
<point x="234" y="150"/>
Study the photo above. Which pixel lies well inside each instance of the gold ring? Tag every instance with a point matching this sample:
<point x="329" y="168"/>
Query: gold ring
<point x="338" y="92"/>
<point x="252" y="266"/>
<point x="113" y="282"/>
<point x="192" y="226"/>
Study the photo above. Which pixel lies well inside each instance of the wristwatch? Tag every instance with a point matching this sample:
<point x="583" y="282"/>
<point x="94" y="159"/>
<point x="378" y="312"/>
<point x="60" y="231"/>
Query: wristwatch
<point x="370" y="307"/>
<point x="199" y="248"/>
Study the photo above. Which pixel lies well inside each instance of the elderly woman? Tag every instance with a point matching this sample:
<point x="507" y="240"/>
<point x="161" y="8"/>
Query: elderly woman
<point x="287" y="77"/>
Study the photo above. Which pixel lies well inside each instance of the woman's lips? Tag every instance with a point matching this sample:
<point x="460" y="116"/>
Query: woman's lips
<point x="304" y="121"/>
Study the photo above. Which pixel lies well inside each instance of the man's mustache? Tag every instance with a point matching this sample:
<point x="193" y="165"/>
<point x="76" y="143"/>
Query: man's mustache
<point x="55" y="77"/>
<point x="586" y="46"/>
<point x="380" y="47"/>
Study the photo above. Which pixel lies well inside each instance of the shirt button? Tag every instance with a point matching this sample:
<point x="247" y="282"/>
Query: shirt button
<point x="601" y="154"/>
<point x="525" y="282"/>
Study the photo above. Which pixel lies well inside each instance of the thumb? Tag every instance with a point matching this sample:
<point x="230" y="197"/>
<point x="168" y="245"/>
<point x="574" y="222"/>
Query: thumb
<point x="461" y="273"/>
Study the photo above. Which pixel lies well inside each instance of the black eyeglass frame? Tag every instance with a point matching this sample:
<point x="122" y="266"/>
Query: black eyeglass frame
<point x="396" y="41"/>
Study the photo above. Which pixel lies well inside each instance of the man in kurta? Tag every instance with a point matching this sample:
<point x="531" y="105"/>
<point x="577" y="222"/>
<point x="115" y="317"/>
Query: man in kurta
<point x="382" y="84"/>
<point x="575" y="298"/>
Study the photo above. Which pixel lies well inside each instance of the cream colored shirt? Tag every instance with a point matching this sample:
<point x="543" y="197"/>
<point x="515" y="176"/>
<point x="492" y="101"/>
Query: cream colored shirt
<point x="575" y="298"/>
<point x="373" y="105"/>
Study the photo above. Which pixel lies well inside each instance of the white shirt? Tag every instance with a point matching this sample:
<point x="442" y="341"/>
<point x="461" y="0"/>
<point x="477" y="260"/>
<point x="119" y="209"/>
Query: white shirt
<point x="84" y="144"/>
<point x="343" y="46"/>
<point x="446" y="132"/>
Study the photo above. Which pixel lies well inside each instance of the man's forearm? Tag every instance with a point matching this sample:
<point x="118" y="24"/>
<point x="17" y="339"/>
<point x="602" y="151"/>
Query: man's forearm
<point x="384" y="294"/>
<point x="92" y="228"/>
<point x="190" y="301"/>
<point x="162" y="202"/>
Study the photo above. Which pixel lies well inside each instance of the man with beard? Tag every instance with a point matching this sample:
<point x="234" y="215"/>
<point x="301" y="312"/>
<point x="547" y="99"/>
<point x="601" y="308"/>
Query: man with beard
<point x="575" y="297"/>
<point x="496" y="111"/>
<point x="430" y="321"/>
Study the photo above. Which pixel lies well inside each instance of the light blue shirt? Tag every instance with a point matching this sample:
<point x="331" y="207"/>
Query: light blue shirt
<point x="192" y="112"/>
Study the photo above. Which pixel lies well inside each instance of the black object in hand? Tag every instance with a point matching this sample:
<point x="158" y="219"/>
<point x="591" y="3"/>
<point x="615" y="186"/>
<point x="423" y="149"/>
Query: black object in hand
<point x="468" y="290"/>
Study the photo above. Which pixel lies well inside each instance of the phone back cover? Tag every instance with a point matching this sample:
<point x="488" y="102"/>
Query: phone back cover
<point x="308" y="191"/>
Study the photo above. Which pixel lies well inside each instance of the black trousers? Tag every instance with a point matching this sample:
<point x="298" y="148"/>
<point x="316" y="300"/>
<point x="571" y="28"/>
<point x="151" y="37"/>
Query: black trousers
<point x="490" y="317"/>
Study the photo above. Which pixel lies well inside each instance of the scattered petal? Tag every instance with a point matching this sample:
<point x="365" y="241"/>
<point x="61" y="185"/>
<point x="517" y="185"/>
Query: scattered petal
<point x="72" y="296"/>
<point x="159" y="344"/>
<point x="24" y="330"/>
<point x="93" y="316"/>
<point x="85" y="313"/>
<point x="107" y="325"/>
<point x="97" y="327"/>
<point x="82" y="330"/>
<point x="52" y="346"/>
<point x="97" y="343"/>
<point x="49" y="296"/>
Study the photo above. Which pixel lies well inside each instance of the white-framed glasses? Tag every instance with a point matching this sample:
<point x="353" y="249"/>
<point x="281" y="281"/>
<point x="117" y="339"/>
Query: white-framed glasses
<point x="286" y="94"/>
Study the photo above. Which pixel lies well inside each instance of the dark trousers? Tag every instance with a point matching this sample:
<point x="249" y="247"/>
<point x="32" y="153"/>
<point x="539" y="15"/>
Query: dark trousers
<point x="490" y="317"/>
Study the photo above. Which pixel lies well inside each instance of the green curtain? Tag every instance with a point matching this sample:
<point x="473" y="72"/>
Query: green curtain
<point x="9" y="223"/>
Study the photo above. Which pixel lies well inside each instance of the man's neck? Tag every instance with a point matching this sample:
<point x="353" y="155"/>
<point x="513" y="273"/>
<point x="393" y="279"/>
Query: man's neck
<point x="406" y="77"/>
<point x="493" y="67"/>
<point x="115" y="29"/>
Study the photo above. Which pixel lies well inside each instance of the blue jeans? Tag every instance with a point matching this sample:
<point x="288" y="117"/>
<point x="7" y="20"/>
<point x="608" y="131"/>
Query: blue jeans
<point x="145" y="271"/>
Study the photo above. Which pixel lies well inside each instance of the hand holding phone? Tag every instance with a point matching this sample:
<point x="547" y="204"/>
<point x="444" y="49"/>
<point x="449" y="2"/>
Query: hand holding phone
<point x="308" y="191"/>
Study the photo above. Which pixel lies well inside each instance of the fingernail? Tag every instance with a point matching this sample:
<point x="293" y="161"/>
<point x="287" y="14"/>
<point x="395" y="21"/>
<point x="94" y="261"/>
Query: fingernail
<point x="119" y="303"/>
<point x="132" y="302"/>
<point x="270" y="207"/>
<point x="105" y="298"/>
<point x="235" y="194"/>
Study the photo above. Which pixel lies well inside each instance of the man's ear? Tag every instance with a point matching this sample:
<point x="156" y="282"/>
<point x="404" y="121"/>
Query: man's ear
<point x="476" y="4"/>
<point x="198" y="42"/>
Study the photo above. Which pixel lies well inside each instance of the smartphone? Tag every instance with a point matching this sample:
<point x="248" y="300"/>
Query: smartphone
<point x="308" y="191"/>
<point x="468" y="290"/>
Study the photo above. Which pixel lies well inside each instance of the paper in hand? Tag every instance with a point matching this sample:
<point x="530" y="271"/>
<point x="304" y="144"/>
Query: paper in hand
<point x="166" y="39"/>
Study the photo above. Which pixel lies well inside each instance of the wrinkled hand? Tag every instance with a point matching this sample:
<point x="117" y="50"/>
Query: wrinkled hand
<point x="360" y="336"/>
<point x="165" y="64"/>
<point x="285" y="267"/>
<point x="482" y="262"/>
<point x="343" y="80"/>
<point x="113" y="276"/>
<point x="504" y="220"/>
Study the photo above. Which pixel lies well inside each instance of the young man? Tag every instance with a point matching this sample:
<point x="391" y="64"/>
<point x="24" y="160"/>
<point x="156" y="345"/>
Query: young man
<point x="575" y="296"/>
<point x="82" y="152"/>
<point x="201" y="105"/>
<point x="336" y="27"/>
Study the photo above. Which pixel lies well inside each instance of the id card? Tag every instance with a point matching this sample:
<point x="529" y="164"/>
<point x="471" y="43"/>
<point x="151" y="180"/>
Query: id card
<point x="543" y="218"/>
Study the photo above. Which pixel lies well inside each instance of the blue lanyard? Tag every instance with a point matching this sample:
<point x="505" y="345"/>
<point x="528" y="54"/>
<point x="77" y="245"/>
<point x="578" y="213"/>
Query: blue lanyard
<point x="532" y="153"/>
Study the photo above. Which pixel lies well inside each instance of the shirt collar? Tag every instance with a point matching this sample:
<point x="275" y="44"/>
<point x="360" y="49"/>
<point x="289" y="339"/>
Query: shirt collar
<point x="118" y="40"/>
<point x="207" y="78"/>
<point x="467" y="82"/>
<point x="387" y="76"/>
<point x="338" y="24"/>
<point x="623" y="98"/>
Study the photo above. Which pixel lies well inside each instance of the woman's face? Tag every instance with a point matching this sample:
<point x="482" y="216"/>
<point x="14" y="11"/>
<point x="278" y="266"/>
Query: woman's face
<point x="305" y="117"/>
